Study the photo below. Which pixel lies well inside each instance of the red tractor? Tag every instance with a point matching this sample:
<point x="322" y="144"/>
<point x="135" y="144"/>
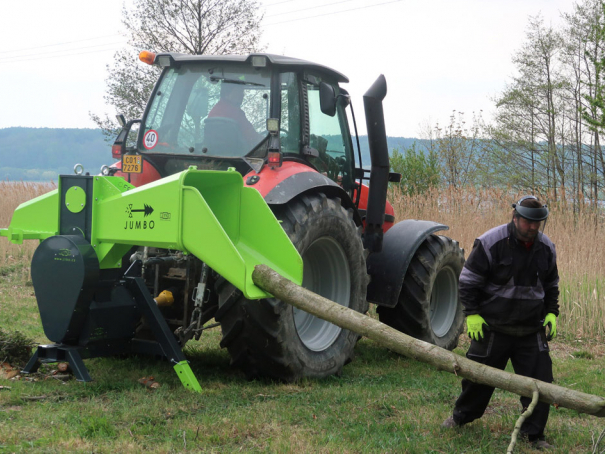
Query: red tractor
<point x="282" y="123"/>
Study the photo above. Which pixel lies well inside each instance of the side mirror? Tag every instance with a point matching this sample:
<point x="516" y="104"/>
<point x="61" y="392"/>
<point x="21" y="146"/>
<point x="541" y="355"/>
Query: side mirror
<point x="327" y="99"/>
<point x="121" y="120"/>
<point x="119" y="146"/>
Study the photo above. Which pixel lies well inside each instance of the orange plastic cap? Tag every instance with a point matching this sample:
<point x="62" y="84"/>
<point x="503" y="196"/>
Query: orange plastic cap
<point x="165" y="298"/>
<point x="147" y="57"/>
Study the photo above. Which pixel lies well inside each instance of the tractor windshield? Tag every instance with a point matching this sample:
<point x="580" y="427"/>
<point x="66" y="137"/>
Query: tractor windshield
<point x="209" y="109"/>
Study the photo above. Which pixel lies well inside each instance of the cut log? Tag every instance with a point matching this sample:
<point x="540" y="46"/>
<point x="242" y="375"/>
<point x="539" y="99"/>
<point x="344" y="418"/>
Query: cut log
<point x="149" y="382"/>
<point x="287" y="291"/>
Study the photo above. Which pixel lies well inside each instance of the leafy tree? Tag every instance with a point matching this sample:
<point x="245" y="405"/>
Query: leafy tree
<point x="460" y="149"/>
<point x="529" y="112"/>
<point x="186" y="26"/>
<point x="594" y="112"/>
<point x="583" y="48"/>
<point x="419" y="171"/>
<point x="550" y="117"/>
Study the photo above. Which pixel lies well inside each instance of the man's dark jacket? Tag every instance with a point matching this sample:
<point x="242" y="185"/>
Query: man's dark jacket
<point x="510" y="286"/>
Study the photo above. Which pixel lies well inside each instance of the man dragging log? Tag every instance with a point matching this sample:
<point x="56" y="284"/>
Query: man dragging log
<point x="509" y="290"/>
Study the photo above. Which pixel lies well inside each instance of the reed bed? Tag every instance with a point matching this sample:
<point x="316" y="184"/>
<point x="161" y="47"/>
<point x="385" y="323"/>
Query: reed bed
<point x="12" y="194"/>
<point x="579" y="236"/>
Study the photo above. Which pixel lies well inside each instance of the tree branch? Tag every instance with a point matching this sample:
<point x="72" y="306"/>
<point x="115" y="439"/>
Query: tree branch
<point x="526" y="414"/>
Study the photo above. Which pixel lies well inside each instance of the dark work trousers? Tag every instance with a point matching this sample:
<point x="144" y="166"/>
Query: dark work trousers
<point x="529" y="356"/>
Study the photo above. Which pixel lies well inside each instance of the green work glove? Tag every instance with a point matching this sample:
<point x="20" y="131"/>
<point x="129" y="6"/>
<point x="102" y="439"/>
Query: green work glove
<point x="551" y="319"/>
<point x="474" y="324"/>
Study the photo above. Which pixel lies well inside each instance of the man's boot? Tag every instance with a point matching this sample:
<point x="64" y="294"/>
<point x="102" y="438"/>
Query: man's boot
<point x="449" y="423"/>
<point x="541" y="445"/>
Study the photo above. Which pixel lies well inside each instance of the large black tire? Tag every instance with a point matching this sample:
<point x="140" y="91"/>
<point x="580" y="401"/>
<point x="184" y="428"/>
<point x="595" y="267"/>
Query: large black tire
<point x="271" y="339"/>
<point x="429" y="307"/>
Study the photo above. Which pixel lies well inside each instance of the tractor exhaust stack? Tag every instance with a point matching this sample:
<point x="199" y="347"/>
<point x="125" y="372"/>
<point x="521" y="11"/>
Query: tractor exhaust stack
<point x="379" y="174"/>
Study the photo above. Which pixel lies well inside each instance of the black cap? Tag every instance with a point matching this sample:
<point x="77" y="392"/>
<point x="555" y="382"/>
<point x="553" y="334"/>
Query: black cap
<point x="532" y="214"/>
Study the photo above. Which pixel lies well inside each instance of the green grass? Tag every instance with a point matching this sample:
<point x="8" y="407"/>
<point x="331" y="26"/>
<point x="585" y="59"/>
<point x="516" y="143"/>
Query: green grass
<point x="381" y="403"/>
<point x="582" y="306"/>
<point x="6" y="270"/>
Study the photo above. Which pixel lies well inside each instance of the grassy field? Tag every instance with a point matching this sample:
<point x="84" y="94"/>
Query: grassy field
<point x="381" y="403"/>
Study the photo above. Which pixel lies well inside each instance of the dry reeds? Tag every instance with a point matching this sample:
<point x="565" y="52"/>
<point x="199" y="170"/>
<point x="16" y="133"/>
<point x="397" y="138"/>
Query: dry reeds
<point x="11" y="195"/>
<point x="579" y="236"/>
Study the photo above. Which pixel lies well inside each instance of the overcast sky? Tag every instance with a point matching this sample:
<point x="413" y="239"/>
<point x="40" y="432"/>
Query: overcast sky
<point x="437" y="55"/>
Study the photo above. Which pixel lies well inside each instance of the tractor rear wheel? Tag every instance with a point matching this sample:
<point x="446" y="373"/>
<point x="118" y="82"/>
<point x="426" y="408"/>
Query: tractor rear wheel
<point x="429" y="308"/>
<point x="269" y="338"/>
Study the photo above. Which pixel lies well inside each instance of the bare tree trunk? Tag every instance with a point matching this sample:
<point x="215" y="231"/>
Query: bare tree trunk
<point x="287" y="291"/>
<point x="533" y="154"/>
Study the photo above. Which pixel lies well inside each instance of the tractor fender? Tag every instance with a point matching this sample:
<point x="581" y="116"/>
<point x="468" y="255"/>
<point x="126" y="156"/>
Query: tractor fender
<point x="387" y="268"/>
<point x="269" y="179"/>
<point x="307" y="183"/>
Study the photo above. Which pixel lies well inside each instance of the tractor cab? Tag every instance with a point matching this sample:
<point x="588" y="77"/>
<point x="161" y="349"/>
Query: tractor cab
<point x="247" y="112"/>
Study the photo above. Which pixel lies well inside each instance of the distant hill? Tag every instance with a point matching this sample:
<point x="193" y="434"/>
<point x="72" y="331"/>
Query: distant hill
<point x="40" y="154"/>
<point x="392" y="142"/>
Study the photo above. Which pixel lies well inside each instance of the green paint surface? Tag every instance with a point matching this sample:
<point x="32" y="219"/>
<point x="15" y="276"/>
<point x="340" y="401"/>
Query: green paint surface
<point x="36" y="219"/>
<point x="75" y="199"/>
<point x="209" y="214"/>
<point x="187" y="377"/>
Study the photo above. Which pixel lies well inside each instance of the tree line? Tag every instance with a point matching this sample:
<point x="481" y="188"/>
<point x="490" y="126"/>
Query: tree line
<point x="546" y="135"/>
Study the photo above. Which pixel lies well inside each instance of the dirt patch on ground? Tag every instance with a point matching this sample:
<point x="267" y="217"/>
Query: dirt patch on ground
<point x="591" y="348"/>
<point x="12" y="408"/>
<point x="577" y="348"/>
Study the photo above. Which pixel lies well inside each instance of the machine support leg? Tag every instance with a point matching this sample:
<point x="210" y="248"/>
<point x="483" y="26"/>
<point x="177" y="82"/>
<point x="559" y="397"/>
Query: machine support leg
<point x="171" y="348"/>
<point x="57" y="353"/>
<point x="187" y="377"/>
<point x="32" y="365"/>
<point x="77" y="365"/>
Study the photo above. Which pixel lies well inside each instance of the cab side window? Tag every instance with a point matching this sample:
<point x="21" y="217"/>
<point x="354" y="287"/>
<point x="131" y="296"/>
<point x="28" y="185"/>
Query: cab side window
<point x="327" y="136"/>
<point x="289" y="126"/>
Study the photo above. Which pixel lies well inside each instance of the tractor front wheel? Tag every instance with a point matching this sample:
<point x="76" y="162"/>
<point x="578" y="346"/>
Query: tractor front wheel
<point x="269" y="338"/>
<point x="429" y="308"/>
